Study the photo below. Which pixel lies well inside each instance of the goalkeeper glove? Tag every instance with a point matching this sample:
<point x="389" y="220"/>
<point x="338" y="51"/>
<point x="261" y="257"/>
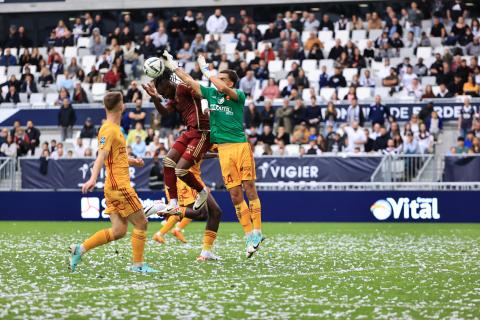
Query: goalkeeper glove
<point x="204" y="67"/>
<point x="169" y="62"/>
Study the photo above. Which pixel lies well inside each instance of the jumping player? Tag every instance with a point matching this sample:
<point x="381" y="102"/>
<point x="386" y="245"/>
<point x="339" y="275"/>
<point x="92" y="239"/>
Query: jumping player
<point x="123" y="204"/>
<point x="212" y="211"/>
<point x="236" y="157"/>
<point x="190" y="147"/>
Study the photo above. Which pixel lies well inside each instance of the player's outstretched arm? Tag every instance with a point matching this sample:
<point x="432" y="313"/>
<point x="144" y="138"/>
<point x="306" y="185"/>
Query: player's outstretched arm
<point x="136" y="162"/>
<point x="156" y="98"/>
<point x="185" y="77"/>
<point x="218" y="83"/>
<point x="97" y="166"/>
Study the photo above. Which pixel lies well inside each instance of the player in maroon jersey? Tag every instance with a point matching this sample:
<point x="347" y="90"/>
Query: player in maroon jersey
<point x="191" y="146"/>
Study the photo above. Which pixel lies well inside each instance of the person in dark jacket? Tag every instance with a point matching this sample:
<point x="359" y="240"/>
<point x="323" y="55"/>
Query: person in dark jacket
<point x="12" y="95"/>
<point x="381" y="141"/>
<point x="66" y="119"/>
<point x="426" y="112"/>
<point x="314" y="113"/>
<point x="156" y="174"/>
<point x="88" y="130"/>
<point x="29" y="86"/>
<point x="33" y="136"/>
<point x="378" y="112"/>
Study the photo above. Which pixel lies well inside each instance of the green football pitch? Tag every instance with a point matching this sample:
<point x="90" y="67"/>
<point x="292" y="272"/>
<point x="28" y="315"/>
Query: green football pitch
<point x="303" y="271"/>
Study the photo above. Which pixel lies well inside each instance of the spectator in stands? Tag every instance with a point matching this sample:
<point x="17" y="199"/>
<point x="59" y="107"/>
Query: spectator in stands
<point x="331" y="115"/>
<point x="58" y="153"/>
<point x="251" y="116"/>
<point x="355" y="113"/>
<point x="283" y="116"/>
<point x="159" y="38"/>
<point x="267" y="136"/>
<point x="7" y="59"/>
<point x="434" y="124"/>
<point x="414" y="89"/>
<point x="139" y="147"/>
<point x="112" y="78"/>
<point x="243" y="43"/>
<point x="22" y="141"/>
<point x="369" y="142"/>
<point x="29" y="86"/>
<point x="156" y="173"/>
<point x="88" y="130"/>
<point x="428" y="94"/>
<point x="299" y="112"/>
<point x="12" y="95"/>
<point x="356" y="138"/>
<point x="138" y="131"/>
<point x="45" y="79"/>
<point x="66" y="119"/>
<point x="325" y="25"/>
<point x="137" y="115"/>
<point x="287" y="90"/>
<point x="267" y="115"/>
<point x="79" y="95"/>
<point x="425" y="140"/>
<point x="465" y="120"/>
<point x="8" y="148"/>
<point x="443" y="91"/>
<point x="33" y="137"/>
<point x="133" y="93"/>
<point x="311" y="24"/>
<point x="336" y="50"/>
<point x="300" y="134"/>
<point x="381" y="140"/>
<point x="282" y="137"/>
<point x="62" y="95"/>
<point x="337" y="80"/>
<point x="374" y="22"/>
<point x="189" y="26"/>
<point x="366" y="80"/>
<point x="79" y="148"/>
<point x="313" y="115"/>
<point x="217" y="23"/>
<point x="247" y="83"/>
<point x="456" y="87"/>
<point x="460" y="147"/>
<point x="438" y="29"/>
<point x="470" y="87"/>
<point x="312" y="40"/>
<point x="378" y="112"/>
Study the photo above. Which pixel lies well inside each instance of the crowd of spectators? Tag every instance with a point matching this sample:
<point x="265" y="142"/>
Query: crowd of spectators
<point x="299" y="119"/>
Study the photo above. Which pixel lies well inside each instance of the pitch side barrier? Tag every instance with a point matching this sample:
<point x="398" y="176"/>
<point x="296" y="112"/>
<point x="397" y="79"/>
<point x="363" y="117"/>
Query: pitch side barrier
<point x="412" y="206"/>
<point x="448" y="110"/>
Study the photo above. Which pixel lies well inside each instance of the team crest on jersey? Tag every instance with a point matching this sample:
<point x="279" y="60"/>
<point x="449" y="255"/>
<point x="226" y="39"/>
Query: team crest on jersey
<point x="221" y="100"/>
<point x="102" y="141"/>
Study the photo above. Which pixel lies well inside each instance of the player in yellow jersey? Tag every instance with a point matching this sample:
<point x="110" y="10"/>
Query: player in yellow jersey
<point x="123" y="204"/>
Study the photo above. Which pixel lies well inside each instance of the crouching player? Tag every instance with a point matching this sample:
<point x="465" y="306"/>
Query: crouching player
<point x="123" y="204"/>
<point x="186" y="200"/>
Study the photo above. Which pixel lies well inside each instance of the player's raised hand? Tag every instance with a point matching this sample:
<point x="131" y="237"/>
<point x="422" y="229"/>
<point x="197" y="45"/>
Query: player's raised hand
<point x="170" y="63"/>
<point x="150" y="90"/>
<point x="203" y="66"/>
<point x="88" y="186"/>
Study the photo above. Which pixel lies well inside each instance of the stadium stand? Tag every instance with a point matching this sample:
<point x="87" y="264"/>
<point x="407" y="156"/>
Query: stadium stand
<point x="427" y="54"/>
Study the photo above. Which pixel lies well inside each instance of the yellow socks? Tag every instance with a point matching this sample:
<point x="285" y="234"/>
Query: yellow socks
<point x="172" y="220"/>
<point x="184" y="223"/>
<point x="101" y="237"/>
<point x="256" y="213"/>
<point x="208" y="239"/>
<point x="138" y="245"/>
<point x="243" y="215"/>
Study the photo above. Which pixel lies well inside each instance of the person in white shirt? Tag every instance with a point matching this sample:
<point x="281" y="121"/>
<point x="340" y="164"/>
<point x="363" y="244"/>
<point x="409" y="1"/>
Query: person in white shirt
<point x="247" y="83"/>
<point x="408" y="77"/>
<point x="356" y="137"/>
<point x="366" y="80"/>
<point x="9" y="148"/>
<point x="414" y="89"/>
<point x="79" y="148"/>
<point x="217" y="23"/>
<point x="159" y="38"/>
<point x="311" y="24"/>
<point x="58" y="153"/>
<point x="355" y="113"/>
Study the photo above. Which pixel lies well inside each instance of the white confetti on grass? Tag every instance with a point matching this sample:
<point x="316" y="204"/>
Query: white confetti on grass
<point x="355" y="271"/>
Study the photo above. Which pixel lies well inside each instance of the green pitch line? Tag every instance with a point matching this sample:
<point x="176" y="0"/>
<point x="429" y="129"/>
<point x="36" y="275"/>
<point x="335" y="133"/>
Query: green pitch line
<point x="303" y="271"/>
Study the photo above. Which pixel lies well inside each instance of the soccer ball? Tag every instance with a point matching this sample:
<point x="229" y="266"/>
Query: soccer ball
<point x="153" y="67"/>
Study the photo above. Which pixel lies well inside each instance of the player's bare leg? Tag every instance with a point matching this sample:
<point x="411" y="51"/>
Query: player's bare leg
<point x="170" y="179"/>
<point x="183" y="173"/>
<point x="243" y="215"/>
<point x="255" y="209"/>
<point x="117" y="231"/>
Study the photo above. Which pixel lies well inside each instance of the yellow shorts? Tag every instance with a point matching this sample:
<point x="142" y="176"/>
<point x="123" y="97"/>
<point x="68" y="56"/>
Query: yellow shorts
<point x="237" y="163"/>
<point x="186" y="195"/>
<point x="123" y="201"/>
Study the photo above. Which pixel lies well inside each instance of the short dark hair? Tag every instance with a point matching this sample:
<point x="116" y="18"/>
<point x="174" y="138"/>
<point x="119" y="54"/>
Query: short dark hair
<point x="461" y="139"/>
<point x="112" y="99"/>
<point x="167" y="75"/>
<point x="232" y="75"/>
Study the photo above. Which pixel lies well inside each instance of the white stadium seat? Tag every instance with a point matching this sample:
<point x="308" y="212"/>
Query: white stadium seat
<point x="374" y="34"/>
<point x="309" y="65"/>
<point x="325" y="35"/>
<point x="358" y="35"/>
<point x="83" y="42"/>
<point x="292" y="149"/>
<point x="23" y="97"/>
<point x="326" y="93"/>
<point x="70" y="52"/>
<point x="364" y="93"/>
<point x="230" y="47"/>
<point x="428" y="81"/>
<point x="87" y="62"/>
<point x="342" y="92"/>
<point x="288" y="64"/>
<point x="3" y="70"/>
<point x="275" y="66"/>
<point x="282" y="84"/>
<point x="424" y="52"/>
<point x="383" y="92"/>
<point x="51" y="98"/>
<point x="343" y="35"/>
<point x="348" y="73"/>
<point x="98" y="91"/>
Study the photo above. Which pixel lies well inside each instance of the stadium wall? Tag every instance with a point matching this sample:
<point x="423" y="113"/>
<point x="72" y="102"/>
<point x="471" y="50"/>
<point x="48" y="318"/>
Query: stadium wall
<point x="278" y="206"/>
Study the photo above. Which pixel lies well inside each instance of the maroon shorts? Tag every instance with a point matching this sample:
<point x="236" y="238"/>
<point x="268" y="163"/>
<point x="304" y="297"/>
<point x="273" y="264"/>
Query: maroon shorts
<point x="193" y="144"/>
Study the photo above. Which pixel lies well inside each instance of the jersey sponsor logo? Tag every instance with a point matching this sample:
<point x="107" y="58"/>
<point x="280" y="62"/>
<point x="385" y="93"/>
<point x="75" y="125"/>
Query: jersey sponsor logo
<point x="406" y="209"/>
<point x="221" y="100"/>
<point x="224" y="109"/>
<point x="102" y="141"/>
